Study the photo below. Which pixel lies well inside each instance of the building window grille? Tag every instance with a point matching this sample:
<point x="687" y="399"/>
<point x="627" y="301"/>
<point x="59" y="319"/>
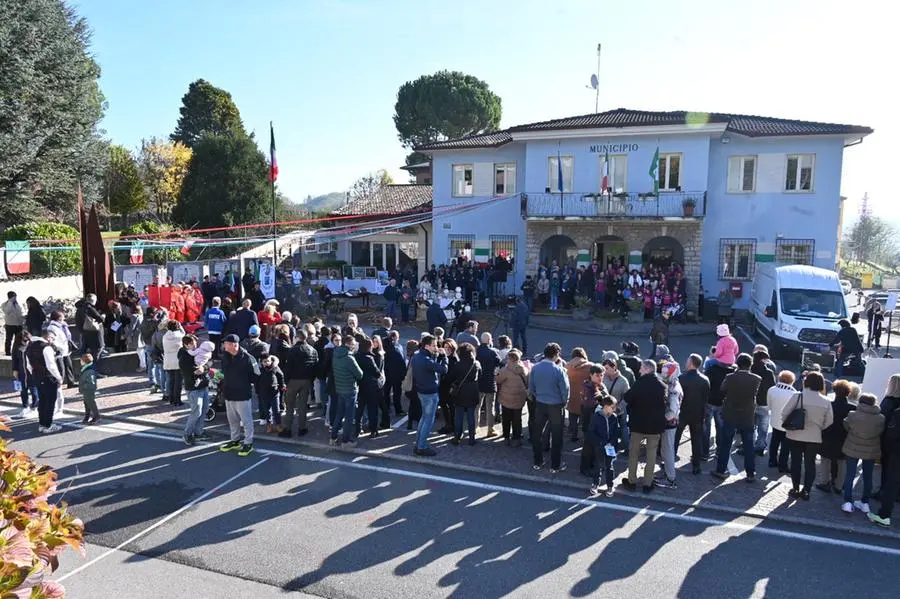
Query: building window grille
<point x="460" y="246"/>
<point x="795" y="251"/>
<point x="737" y="259"/>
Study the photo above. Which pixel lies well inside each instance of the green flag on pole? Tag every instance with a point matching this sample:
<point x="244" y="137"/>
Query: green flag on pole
<point x="654" y="170"/>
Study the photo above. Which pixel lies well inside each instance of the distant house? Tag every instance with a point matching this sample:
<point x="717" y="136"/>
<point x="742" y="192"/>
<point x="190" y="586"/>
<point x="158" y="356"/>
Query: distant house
<point x="421" y="171"/>
<point x="368" y="241"/>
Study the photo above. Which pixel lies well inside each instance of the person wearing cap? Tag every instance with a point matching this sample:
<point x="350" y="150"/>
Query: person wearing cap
<point x="738" y="410"/>
<point x="253" y="344"/>
<point x="268" y="317"/>
<point x="761" y="419"/>
<point x="617" y="385"/>
<point x="240" y="372"/>
<point x="669" y="372"/>
<point x="631" y="356"/>
<point x="647" y="401"/>
<point x="727" y="348"/>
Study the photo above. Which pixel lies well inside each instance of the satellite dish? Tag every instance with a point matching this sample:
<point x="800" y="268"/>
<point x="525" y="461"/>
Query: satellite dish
<point x="594" y="82"/>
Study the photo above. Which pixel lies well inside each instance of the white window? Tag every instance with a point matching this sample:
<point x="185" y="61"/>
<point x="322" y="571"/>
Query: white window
<point x="618" y="172"/>
<point x="799" y="172"/>
<point x="741" y="174"/>
<point x="505" y="178"/>
<point x="737" y="259"/>
<point x="670" y="172"/>
<point x="463" y="175"/>
<point x="795" y="251"/>
<point x="568" y="167"/>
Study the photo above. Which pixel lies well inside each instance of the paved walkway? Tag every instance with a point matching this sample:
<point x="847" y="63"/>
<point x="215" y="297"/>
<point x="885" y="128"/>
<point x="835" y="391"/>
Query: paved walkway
<point x="127" y="397"/>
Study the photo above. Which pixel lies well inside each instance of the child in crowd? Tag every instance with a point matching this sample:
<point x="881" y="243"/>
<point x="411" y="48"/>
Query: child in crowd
<point x="270" y="388"/>
<point x="203" y="354"/>
<point x="22" y="380"/>
<point x="604" y="431"/>
<point x="710" y="358"/>
<point x="727" y="348"/>
<point x="87" y="386"/>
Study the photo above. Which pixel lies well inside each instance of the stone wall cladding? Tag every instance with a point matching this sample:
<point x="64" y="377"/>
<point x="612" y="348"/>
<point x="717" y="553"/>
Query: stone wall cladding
<point x="688" y="232"/>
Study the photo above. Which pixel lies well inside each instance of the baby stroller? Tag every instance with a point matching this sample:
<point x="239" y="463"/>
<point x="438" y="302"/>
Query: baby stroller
<point x="216" y="403"/>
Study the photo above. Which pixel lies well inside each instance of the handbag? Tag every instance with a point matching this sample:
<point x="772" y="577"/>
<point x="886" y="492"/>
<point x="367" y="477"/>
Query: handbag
<point x="407" y="385"/>
<point x="796" y="420"/>
<point x="381" y="379"/>
<point x="457" y="385"/>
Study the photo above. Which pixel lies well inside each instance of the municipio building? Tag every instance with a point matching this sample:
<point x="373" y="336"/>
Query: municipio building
<point x="717" y="193"/>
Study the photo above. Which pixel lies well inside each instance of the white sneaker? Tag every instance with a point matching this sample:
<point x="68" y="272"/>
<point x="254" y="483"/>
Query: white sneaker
<point x="847" y="507"/>
<point x="53" y="428"/>
<point x="861" y="506"/>
<point x="26" y="413"/>
<point x="262" y="422"/>
<point x="42" y="429"/>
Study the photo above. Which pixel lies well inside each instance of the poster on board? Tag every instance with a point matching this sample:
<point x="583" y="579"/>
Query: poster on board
<point x="186" y="271"/>
<point x="878" y="372"/>
<point x="139" y="276"/>
<point x="267" y="279"/>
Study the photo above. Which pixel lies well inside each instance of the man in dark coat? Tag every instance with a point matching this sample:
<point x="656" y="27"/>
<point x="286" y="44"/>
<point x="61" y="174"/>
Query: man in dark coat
<point x="435" y="316"/>
<point x="394" y="373"/>
<point x="489" y="359"/>
<point x="518" y="324"/>
<point x="716" y="374"/>
<point x="738" y="410"/>
<point x="646" y="402"/>
<point x="695" y="387"/>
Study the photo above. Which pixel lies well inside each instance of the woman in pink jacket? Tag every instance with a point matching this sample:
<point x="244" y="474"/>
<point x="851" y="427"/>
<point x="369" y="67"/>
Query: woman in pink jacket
<point x="727" y="348"/>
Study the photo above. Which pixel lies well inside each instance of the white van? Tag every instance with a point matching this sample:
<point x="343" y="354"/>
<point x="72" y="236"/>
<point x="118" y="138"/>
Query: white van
<point x="796" y="307"/>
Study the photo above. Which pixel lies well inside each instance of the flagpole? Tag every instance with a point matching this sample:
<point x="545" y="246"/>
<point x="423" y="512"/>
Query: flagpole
<point x="597" y="91"/>
<point x="274" y="217"/>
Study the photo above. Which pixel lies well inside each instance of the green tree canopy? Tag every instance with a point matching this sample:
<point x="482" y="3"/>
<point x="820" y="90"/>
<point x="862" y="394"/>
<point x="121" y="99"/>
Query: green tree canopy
<point x="162" y="165"/>
<point x="50" y="261"/>
<point x="206" y="110"/>
<point x="226" y="184"/>
<point x="367" y="187"/>
<point x="50" y="105"/>
<point x="445" y="105"/>
<point x="870" y="239"/>
<point x="151" y="229"/>
<point x="123" y="183"/>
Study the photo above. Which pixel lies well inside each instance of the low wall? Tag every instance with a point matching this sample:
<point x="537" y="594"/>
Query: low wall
<point x="68" y="287"/>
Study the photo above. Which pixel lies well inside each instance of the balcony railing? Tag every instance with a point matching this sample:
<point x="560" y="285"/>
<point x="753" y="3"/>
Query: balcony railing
<point x="627" y="205"/>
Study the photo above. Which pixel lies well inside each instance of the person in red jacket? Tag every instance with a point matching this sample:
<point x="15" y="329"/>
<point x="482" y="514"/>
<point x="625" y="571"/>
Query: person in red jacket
<point x="268" y="318"/>
<point x="177" y="304"/>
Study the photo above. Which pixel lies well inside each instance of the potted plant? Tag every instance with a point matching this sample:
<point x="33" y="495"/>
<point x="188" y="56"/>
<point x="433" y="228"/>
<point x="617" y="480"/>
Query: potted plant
<point x="688" y="204"/>
<point x="582" y="309"/>
<point x="647" y="195"/>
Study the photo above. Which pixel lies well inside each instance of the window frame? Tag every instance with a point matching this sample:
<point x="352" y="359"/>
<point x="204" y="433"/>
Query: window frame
<point x="553" y="174"/>
<point x="500" y="242"/>
<point x="471" y="185"/>
<point x="742" y="158"/>
<point x="798" y="178"/>
<point x="724" y="242"/>
<point x="615" y="160"/>
<point x="465" y="238"/>
<point x="507" y="167"/>
<point x="794" y="242"/>
<point x="667" y="158"/>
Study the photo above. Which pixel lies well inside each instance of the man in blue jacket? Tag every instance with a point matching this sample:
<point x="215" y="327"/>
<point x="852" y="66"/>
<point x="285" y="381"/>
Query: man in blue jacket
<point x="518" y="323"/>
<point x="391" y="293"/>
<point x="242" y="319"/>
<point x="436" y="316"/>
<point x="215" y="322"/>
<point x="428" y="365"/>
<point x="549" y="385"/>
<point x="240" y="371"/>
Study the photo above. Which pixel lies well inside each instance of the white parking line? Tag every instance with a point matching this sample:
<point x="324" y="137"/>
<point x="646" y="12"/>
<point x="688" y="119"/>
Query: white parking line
<point x="746" y="335"/>
<point x="490" y="487"/>
<point x="159" y="523"/>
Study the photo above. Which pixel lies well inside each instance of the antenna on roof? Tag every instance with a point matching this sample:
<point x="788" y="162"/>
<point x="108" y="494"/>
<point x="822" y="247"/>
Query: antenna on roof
<point x="864" y="209"/>
<point x="595" y="83"/>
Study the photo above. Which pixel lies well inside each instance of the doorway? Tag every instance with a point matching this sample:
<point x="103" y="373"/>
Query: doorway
<point x="610" y="251"/>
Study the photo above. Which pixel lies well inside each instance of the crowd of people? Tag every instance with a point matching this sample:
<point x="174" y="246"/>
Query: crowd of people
<point x="655" y="290"/>
<point x="274" y="368"/>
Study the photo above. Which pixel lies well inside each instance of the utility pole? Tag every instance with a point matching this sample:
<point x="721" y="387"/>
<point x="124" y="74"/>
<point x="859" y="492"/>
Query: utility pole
<point x="597" y="89"/>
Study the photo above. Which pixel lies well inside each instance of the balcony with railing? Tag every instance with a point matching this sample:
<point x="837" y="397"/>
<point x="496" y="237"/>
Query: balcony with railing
<point x="665" y="204"/>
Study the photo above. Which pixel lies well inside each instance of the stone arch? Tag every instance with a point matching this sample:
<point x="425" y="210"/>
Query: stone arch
<point x="561" y="248"/>
<point x="608" y="249"/>
<point x="663" y="251"/>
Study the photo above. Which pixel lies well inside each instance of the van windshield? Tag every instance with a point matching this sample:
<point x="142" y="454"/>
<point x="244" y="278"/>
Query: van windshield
<point x="813" y="304"/>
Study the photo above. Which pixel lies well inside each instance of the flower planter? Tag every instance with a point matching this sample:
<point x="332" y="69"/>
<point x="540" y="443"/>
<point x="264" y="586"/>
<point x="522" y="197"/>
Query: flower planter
<point x="688" y="209"/>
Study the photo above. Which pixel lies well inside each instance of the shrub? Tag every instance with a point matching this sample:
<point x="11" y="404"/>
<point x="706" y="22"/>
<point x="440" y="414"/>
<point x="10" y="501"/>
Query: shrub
<point x="33" y="531"/>
<point x="50" y="261"/>
<point x="151" y="229"/>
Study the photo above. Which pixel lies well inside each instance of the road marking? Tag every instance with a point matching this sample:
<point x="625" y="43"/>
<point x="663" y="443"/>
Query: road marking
<point x="400" y="422"/>
<point x="490" y="487"/>
<point x="746" y="335"/>
<point x="650" y="513"/>
<point x="159" y="523"/>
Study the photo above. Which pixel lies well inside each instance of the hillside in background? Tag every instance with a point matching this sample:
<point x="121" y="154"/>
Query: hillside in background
<point x="325" y="203"/>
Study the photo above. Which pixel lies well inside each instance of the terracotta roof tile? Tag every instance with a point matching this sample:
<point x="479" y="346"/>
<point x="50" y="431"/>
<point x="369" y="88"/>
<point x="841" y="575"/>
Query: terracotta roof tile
<point x="392" y="199"/>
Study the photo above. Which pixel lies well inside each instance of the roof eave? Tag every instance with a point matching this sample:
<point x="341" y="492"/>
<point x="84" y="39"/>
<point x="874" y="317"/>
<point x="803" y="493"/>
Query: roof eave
<point x="637" y="131"/>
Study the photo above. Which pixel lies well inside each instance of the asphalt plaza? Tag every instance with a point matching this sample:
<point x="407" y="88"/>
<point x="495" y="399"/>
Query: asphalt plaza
<point x="159" y="515"/>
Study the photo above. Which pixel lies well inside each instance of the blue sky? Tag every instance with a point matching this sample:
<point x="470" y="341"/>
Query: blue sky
<point x="327" y="71"/>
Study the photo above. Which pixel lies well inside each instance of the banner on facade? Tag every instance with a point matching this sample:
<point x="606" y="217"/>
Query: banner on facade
<point x="635" y="260"/>
<point x="481" y="252"/>
<point x="583" y="259"/>
<point x="267" y="279"/>
<point x="18" y="257"/>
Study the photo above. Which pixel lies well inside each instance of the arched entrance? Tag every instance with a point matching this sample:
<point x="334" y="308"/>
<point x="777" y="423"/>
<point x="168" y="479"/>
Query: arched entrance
<point x="610" y="250"/>
<point x="560" y="248"/>
<point x="662" y="252"/>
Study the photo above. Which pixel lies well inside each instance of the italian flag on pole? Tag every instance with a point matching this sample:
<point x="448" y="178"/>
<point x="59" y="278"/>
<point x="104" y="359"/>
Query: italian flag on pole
<point x="604" y="176"/>
<point x="273" y="163"/>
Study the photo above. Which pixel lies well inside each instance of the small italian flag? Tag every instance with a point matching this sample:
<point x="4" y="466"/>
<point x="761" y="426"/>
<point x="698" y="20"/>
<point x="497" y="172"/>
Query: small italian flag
<point x="186" y="248"/>
<point x="137" y="253"/>
<point x="18" y="257"/>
